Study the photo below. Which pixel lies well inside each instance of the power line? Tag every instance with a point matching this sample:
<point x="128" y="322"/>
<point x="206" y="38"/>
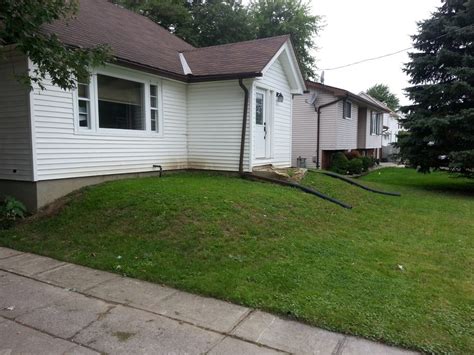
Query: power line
<point x="368" y="59"/>
<point x="389" y="54"/>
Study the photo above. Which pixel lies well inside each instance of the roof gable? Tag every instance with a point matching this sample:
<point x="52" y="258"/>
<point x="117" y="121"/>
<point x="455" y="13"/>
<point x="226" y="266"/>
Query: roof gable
<point x="241" y="57"/>
<point x="287" y="58"/>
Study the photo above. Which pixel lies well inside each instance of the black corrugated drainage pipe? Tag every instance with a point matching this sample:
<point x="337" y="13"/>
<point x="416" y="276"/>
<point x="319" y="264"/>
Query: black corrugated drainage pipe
<point x="355" y="183"/>
<point x="318" y="159"/>
<point x="298" y="186"/>
<point x="244" y="127"/>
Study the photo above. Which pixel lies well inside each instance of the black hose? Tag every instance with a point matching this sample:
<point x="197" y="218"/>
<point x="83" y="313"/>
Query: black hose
<point x="298" y="186"/>
<point x="352" y="182"/>
<point x="244" y="126"/>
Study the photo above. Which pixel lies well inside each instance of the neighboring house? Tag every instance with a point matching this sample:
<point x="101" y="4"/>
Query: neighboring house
<point x="161" y="103"/>
<point x="391" y="127"/>
<point x="346" y="122"/>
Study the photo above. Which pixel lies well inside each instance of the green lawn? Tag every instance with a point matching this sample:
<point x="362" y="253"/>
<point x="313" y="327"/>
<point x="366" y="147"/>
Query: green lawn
<point x="279" y="249"/>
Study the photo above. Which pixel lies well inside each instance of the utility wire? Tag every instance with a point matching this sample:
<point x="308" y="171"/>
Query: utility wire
<point x="388" y="54"/>
<point x="368" y="59"/>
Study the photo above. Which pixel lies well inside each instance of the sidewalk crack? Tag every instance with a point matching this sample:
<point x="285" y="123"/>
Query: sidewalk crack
<point x="340" y="346"/>
<point x="100" y="316"/>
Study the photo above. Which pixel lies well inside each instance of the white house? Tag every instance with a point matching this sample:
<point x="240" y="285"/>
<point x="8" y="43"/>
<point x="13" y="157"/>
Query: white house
<point x="161" y="102"/>
<point x="391" y="128"/>
<point x="327" y="119"/>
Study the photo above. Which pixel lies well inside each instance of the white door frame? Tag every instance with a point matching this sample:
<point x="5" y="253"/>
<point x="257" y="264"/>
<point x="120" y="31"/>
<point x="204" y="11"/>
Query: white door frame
<point x="268" y="125"/>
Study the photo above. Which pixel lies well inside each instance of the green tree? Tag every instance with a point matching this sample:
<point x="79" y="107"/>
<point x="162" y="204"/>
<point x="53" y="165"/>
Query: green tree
<point x="211" y="22"/>
<point x="440" y="122"/>
<point x="174" y="15"/>
<point x="382" y="93"/>
<point x="20" y="25"/>
<point x="279" y="17"/>
<point x="219" y="22"/>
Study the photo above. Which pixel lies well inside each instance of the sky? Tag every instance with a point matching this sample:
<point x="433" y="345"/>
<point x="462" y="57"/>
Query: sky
<point x="361" y="29"/>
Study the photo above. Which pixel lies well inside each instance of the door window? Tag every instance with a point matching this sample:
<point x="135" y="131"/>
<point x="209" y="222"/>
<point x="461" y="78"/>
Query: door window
<point x="259" y="109"/>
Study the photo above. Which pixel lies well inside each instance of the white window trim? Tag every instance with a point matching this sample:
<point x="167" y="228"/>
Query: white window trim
<point x="88" y="100"/>
<point x="344" y="109"/>
<point x="378" y="127"/>
<point x="94" y="110"/>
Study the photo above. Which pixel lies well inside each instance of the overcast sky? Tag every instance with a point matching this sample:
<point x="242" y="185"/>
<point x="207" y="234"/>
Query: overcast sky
<point x="362" y="29"/>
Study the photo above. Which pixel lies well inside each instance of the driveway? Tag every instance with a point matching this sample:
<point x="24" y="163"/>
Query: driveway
<point x="53" y="307"/>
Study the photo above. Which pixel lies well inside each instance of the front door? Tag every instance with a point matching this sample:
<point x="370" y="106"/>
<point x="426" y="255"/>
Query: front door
<point x="260" y="125"/>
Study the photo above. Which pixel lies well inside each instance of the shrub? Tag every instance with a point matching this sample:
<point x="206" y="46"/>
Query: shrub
<point x="339" y="163"/>
<point x="367" y="163"/>
<point x="355" y="166"/>
<point x="353" y="154"/>
<point x="10" y="211"/>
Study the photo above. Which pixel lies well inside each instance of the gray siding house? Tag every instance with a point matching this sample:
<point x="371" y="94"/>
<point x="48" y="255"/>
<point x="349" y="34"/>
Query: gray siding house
<point x="327" y="119"/>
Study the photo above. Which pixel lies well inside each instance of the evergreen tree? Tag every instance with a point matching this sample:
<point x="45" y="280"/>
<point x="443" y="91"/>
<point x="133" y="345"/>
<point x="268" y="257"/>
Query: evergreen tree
<point x="382" y="93"/>
<point x="440" y="122"/>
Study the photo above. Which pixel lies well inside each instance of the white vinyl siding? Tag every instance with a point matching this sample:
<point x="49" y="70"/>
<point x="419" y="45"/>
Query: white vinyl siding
<point x="15" y="125"/>
<point x="336" y="133"/>
<point x="347" y="128"/>
<point x="366" y="139"/>
<point x="62" y="151"/>
<point x="305" y="128"/>
<point x="276" y="81"/>
<point x="215" y="111"/>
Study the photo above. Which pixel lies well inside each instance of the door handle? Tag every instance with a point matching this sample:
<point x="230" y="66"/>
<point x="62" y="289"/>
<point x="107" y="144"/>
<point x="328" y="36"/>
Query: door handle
<point x="265" y="130"/>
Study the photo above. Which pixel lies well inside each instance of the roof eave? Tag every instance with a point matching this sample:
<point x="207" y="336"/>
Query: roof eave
<point x="216" y="77"/>
<point x="189" y="78"/>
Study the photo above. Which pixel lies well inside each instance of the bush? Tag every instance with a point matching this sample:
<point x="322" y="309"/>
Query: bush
<point x="10" y="211"/>
<point x="339" y="163"/>
<point x="353" y="154"/>
<point x="367" y="163"/>
<point x="355" y="166"/>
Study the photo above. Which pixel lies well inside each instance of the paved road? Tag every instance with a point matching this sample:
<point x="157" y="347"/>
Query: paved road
<point x="52" y="307"/>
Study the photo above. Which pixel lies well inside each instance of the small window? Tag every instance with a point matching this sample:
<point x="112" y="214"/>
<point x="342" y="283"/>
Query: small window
<point x="154" y="108"/>
<point x="259" y="109"/>
<point x="347" y="109"/>
<point x="121" y="104"/>
<point x="83" y="95"/>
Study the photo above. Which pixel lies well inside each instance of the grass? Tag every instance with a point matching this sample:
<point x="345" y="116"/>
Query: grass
<point x="395" y="269"/>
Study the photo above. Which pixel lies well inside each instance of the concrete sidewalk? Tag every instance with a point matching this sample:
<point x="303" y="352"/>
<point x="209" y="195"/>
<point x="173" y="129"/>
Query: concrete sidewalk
<point x="52" y="307"/>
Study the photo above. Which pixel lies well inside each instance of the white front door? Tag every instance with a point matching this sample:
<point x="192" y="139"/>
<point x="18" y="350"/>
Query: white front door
<point x="260" y="132"/>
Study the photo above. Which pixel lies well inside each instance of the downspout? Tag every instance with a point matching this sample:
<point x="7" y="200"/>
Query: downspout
<point x="318" y="164"/>
<point x="244" y="127"/>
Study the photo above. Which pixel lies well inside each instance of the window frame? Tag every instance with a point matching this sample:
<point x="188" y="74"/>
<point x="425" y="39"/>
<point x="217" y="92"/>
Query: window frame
<point x="89" y="108"/>
<point x="344" y="110"/>
<point x="376" y="122"/>
<point x="120" y="73"/>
